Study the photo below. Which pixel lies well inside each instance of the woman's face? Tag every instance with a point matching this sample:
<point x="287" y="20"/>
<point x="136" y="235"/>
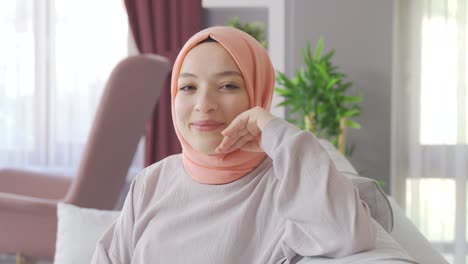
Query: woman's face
<point x="211" y="93"/>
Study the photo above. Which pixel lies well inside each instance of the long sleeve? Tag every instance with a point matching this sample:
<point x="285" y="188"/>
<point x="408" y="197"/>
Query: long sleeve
<point x="323" y="212"/>
<point x="116" y="245"/>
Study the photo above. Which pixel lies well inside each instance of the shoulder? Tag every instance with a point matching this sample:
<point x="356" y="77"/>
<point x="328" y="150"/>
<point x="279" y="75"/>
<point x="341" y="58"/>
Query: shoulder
<point x="156" y="178"/>
<point x="159" y="172"/>
<point x="169" y="162"/>
<point x="156" y="170"/>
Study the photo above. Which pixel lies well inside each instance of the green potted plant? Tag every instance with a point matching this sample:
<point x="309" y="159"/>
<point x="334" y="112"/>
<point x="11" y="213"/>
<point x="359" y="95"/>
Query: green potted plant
<point x="256" y="30"/>
<point x="318" y="98"/>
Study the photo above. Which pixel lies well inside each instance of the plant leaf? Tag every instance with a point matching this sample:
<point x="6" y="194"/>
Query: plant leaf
<point x="350" y="113"/>
<point x="283" y="92"/>
<point x="328" y="55"/>
<point x="351" y="123"/>
<point x="318" y="49"/>
<point x="331" y="83"/>
<point x="352" y="99"/>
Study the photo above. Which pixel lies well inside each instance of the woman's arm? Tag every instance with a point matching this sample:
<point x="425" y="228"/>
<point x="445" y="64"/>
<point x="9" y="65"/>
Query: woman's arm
<point x="116" y="245"/>
<point x="323" y="211"/>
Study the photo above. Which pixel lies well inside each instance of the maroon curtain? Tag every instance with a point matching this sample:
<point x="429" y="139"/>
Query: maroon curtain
<point x="162" y="27"/>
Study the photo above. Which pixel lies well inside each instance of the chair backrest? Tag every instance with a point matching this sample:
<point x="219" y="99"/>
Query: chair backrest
<point x="128" y="100"/>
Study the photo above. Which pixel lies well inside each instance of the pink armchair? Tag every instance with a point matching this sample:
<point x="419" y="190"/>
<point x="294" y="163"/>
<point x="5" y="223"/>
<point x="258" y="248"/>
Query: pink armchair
<point x="28" y="200"/>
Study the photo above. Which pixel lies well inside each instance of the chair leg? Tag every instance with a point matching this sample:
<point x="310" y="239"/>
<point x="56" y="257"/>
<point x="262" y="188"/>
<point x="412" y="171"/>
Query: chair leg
<point x="21" y="259"/>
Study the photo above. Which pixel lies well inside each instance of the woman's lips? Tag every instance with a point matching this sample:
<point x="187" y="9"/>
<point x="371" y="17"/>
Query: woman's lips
<point x="206" y="125"/>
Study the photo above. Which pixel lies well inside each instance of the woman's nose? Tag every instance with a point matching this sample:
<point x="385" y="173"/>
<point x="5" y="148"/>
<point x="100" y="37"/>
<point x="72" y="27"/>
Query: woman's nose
<point x="206" y="102"/>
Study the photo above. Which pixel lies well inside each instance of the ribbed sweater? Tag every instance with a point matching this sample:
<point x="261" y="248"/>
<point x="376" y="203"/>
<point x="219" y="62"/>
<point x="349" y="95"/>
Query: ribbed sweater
<point x="294" y="202"/>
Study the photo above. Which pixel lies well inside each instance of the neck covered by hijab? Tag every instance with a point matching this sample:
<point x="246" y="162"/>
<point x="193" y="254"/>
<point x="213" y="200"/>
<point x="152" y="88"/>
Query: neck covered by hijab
<point x="258" y="72"/>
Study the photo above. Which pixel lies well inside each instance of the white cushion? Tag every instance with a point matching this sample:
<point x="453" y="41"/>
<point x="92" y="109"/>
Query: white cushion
<point x="78" y="231"/>
<point x="369" y="191"/>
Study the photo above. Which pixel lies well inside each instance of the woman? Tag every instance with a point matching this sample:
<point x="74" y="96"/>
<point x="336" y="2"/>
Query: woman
<point x="248" y="187"/>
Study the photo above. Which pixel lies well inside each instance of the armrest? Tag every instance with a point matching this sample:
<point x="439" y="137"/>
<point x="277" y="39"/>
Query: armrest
<point x="27" y="205"/>
<point x="34" y="184"/>
<point x="27" y="225"/>
<point x="411" y="239"/>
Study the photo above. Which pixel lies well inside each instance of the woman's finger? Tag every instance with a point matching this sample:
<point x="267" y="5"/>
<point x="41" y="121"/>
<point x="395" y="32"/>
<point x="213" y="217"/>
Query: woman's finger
<point x="243" y="132"/>
<point x="228" y="142"/>
<point x="239" y="143"/>
<point x="243" y="128"/>
<point x="234" y="131"/>
<point x="252" y="127"/>
<point x="239" y="123"/>
<point x="252" y="146"/>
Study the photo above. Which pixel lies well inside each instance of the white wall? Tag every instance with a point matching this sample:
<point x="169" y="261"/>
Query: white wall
<point x="361" y="33"/>
<point x="275" y="27"/>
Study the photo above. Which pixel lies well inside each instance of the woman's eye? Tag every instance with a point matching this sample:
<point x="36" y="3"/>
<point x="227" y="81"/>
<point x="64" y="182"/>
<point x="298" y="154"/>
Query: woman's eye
<point x="187" y="88"/>
<point x="230" y="87"/>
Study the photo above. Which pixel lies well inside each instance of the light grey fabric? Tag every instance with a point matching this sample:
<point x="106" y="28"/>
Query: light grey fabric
<point x="371" y="193"/>
<point x="369" y="190"/>
<point x="294" y="202"/>
<point x="386" y="251"/>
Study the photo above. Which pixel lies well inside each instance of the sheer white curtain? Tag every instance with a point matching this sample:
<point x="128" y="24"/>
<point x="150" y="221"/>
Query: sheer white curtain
<point x="430" y="120"/>
<point x="55" y="57"/>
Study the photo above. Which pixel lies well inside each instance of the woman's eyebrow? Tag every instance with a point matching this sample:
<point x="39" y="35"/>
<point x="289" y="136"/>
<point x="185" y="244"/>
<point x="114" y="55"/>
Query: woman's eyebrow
<point x="218" y="74"/>
<point x="228" y="73"/>
<point x="186" y="74"/>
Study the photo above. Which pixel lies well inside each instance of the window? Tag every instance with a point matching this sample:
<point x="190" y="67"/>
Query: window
<point x="430" y="137"/>
<point x="443" y="93"/>
<point x="55" y="57"/>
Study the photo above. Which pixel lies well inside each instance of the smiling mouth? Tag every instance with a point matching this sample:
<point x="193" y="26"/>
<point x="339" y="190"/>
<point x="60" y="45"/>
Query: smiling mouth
<point x="205" y="126"/>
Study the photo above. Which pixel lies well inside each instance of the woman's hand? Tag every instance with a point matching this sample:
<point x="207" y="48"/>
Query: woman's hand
<point x="244" y="131"/>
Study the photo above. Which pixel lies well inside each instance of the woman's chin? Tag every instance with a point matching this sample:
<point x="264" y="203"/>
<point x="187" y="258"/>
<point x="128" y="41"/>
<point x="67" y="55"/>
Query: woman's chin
<point x="208" y="149"/>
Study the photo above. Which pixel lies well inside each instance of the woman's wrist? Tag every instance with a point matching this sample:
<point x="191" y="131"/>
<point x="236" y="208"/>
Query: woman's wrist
<point x="264" y="117"/>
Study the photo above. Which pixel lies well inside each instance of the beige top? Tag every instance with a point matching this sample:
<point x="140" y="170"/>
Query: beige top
<point x="294" y="202"/>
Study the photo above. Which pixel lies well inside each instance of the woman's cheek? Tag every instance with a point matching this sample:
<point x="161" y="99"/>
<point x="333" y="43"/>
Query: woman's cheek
<point x="180" y="113"/>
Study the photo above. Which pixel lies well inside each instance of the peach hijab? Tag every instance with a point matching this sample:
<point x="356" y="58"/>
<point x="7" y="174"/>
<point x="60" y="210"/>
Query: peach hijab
<point x="258" y="72"/>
